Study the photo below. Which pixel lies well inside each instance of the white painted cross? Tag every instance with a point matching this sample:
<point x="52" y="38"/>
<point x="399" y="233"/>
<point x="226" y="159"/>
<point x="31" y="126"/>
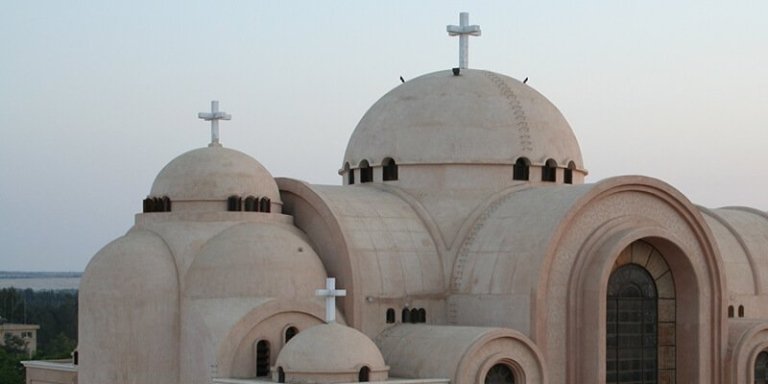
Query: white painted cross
<point x="463" y="30"/>
<point x="330" y="293"/>
<point x="214" y="116"/>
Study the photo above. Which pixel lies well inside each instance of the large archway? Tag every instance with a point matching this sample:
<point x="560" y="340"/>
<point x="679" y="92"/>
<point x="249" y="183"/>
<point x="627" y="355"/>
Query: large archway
<point x="640" y="318"/>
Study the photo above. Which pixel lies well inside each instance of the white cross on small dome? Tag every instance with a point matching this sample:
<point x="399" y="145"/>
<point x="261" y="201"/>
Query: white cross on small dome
<point x="214" y="116"/>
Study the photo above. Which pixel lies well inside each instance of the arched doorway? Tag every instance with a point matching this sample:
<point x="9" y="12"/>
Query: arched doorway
<point x="761" y="368"/>
<point x="500" y="374"/>
<point x="640" y="318"/>
<point x="262" y="358"/>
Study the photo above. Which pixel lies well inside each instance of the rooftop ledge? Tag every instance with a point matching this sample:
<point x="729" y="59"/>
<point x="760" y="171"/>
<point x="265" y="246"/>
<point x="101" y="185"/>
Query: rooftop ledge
<point x="65" y="365"/>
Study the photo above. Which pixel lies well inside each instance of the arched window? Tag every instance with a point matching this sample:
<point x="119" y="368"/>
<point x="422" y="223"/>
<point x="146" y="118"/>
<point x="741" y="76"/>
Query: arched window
<point x="167" y="201"/>
<point x="414" y="315"/>
<point x="761" y="368"/>
<point x="290" y="332"/>
<point x="549" y="171"/>
<point x="730" y="311"/>
<point x="262" y="358"/>
<point x="390" y="316"/>
<point x="366" y="172"/>
<point x="521" y="169"/>
<point x="265" y="205"/>
<point x="568" y="173"/>
<point x="251" y="204"/>
<point x="149" y="205"/>
<point x="390" y="169"/>
<point x="350" y="174"/>
<point x="500" y="374"/>
<point x="158" y="204"/>
<point x="280" y="375"/>
<point x="632" y="329"/>
<point x="364" y="375"/>
<point x="406" y="316"/>
<point x="422" y="315"/>
<point x="741" y="311"/>
<point x="234" y="203"/>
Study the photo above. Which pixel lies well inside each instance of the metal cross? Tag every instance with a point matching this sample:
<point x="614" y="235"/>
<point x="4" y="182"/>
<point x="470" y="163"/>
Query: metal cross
<point x="214" y="116"/>
<point x="463" y="30"/>
<point x="330" y="293"/>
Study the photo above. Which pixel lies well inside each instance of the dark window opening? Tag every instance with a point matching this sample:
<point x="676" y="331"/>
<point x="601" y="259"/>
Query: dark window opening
<point x="265" y="205"/>
<point x="364" y="375"/>
<point x="366" y="172"/>
<point x="741" y="311"/>
<point x="280" y="375"/>
<point x="262" y="358"/>
<point x="351" y="177"/>
<point x="730" y="311"/>
<point x="251" y="204"/>
<point x="632" y="327"/>
<point x="414" y="316"/>
<point x="406" y="316"/>
<point x="149" y="205"/>
<point x="390" y="169"/>
<point x="234" y="203"/>
<point x="761" y="368"/>
<point x="500" y="374"/>
<point x="290" y="333"/>
<point x="390" y="316"/>
<point x="156" y="204"/>
<point x="422" y="315"/>
<point x="568" y="173"/>
<point x="521" y="169"/>
<point x="549" y="171"/>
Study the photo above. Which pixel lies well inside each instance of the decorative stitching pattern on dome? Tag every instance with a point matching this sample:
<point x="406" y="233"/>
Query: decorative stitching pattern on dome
<point x="526" y="142"/>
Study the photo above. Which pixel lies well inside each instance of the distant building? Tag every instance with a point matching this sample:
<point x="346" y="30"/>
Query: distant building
<point x="26" y="332"/>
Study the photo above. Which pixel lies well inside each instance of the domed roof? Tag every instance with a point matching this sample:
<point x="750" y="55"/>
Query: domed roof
<point x="256" y="259"/>
<point x="214" y="173"/>
<point x="478" y="117"/>
<point x="330" y="348"/>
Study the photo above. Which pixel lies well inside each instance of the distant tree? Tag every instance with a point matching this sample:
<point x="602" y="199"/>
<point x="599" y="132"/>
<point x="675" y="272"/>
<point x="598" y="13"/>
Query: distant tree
<point x="14" y="344"/>
<point x="60" y="347"/>
<point x="11" y="370"/>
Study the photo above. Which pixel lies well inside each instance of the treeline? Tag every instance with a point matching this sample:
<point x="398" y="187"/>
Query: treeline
<point x="56" y="314"/>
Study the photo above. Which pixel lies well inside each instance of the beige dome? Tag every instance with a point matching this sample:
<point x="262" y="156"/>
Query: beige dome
<point x="329" y="352"/>
<point x="478" y="117"/>
<point x="256" y="260"/>
<point x="214" y="173"/>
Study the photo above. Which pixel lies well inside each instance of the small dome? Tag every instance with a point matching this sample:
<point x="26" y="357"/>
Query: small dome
<point x="478" y="117"/>
<point x="330" y="353"/>
<point x="214" y="173"/>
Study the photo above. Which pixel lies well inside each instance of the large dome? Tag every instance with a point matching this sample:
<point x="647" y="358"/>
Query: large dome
<point x="478" y="117"/>
<point x="214" y="173"/>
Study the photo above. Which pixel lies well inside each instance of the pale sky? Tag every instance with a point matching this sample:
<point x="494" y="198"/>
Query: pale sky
<point x="96" y="97"/>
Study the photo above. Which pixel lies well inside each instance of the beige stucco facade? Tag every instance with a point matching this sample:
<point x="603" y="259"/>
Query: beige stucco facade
<point x="470" y="247"/>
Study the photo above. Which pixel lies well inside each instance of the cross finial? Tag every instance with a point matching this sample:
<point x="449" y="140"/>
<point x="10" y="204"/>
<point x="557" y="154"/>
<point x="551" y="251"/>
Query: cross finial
<point x="330" y="293"/>
<point x="214" y="116"/>
<point x="463" y="30"/>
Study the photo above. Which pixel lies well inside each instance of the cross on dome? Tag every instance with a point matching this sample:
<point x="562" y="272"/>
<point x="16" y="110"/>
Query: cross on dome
<point x="214" y="116"/>
<point x="463" y="30"/>
<point x="330" y="293"/>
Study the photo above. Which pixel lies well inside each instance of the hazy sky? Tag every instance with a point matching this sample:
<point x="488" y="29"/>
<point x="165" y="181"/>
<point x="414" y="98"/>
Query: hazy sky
<point x="96" y="97"/>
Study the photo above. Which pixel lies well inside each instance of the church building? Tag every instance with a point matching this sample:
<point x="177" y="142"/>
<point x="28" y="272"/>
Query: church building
<point x="465" y="247"/>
